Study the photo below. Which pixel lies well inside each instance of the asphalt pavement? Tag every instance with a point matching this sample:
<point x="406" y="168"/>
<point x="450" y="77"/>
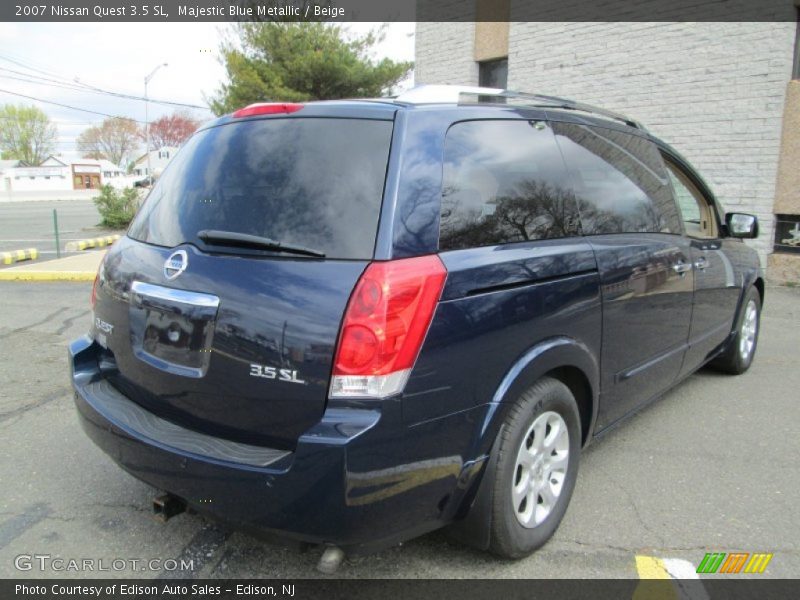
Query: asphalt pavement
<point x="30" y="225"/>
<point x="710" y="467"/>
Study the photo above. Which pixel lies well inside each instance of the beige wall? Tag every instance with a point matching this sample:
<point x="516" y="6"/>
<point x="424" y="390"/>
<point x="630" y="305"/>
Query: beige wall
<point x="491" y="40"/>
<point x="787" y="189"/>
<point x="491" y="37"/>
<point x="784" y="267"/>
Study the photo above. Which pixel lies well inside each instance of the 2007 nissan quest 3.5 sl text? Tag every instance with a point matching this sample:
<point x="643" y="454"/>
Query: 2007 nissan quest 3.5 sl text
<point x="350" y="323"/>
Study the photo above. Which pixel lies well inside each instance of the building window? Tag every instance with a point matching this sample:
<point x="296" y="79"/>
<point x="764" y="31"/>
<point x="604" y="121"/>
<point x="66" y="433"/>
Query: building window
<point x="787" y="233"/>
<point x="796" y="67"/>
<point x="493" y="73"/>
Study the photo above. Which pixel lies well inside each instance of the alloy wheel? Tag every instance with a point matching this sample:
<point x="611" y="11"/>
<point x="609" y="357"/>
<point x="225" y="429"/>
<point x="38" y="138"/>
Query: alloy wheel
<point x="540" y="469"/>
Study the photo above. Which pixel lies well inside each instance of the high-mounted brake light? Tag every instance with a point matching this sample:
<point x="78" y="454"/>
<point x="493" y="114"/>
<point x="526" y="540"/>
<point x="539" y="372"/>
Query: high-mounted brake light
<point x="386" y="321"/>
<point x="267" y="108"/>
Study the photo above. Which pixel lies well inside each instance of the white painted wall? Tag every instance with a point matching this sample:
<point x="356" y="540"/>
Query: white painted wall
<point x="444" y="53"/>
<point x="34" y="180"/>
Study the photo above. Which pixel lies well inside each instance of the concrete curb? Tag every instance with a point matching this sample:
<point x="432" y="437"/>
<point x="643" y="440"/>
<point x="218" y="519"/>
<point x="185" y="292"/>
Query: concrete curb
<point x="78" y="267"/>
<point x="99" y="242"/>
<point x="47" y="276"/>
<point x="18" y="255"/>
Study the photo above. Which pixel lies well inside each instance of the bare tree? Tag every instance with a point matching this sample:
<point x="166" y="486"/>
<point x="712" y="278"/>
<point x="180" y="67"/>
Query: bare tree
<point x="115" y="140"/>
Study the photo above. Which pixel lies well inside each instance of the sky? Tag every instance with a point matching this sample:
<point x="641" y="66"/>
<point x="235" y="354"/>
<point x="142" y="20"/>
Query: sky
<point x="117" y="56"/>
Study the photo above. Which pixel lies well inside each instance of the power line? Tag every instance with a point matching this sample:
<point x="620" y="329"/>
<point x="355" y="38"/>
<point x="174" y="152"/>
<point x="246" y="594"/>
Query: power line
<point x="81" y="86"/>
<point x="26" y="66"/>
<point x="86" y="110"/>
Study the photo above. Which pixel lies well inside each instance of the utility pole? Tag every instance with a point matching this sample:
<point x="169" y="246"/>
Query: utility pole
<point x="147" y="122"/>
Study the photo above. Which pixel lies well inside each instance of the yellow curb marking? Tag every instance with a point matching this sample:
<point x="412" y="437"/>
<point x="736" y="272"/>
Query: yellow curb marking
<point x="650" y="567"/>
<point x="655" y="584"/>
<point x="98" y="242"/>
<point x="47" y="275"/>
<point x="18" y="255"/>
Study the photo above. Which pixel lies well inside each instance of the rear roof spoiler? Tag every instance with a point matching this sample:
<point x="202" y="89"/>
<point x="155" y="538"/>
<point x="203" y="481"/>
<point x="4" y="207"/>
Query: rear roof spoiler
<point x="456" y="94"/>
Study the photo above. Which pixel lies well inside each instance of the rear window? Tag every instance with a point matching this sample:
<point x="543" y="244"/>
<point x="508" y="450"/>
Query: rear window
<point x="313" y="182"/>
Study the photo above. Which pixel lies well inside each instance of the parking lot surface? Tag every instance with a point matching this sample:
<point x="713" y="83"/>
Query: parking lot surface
<point x="710" y="467"/>
<point x="30" y="225"/>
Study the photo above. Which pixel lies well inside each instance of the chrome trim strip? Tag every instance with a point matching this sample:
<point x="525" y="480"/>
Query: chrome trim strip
<point x="174" y="295"/>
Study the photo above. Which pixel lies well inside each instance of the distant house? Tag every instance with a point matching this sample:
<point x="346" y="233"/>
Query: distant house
<point x="110" y="170"/>
<point x="158" y="161"/>
<point x="5" y="179"/>
<point x="57" y="174"/>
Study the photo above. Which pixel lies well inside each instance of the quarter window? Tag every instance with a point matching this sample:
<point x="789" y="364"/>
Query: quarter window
<point x="504" y="181"/>
<point x="696" y="213"/>
<point x="620" y="181"/>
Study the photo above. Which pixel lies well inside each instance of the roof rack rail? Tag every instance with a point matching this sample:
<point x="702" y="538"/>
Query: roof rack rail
<point x="434" y="94"/>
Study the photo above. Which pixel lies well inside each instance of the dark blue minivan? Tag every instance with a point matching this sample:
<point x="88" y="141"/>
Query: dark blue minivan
<point x="349" y="323"/>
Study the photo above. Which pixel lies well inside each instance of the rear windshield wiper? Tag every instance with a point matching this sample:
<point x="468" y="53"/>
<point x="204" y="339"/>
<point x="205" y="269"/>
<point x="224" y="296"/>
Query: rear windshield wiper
<point x="244" y="240"/>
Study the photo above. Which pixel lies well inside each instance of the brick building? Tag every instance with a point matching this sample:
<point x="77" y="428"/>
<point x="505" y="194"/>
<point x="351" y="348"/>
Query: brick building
<point x="725" y="94"/>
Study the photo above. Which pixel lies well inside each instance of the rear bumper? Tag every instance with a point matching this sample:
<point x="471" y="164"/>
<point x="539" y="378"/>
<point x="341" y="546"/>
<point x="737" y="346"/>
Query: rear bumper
<point x="354" y="479"/>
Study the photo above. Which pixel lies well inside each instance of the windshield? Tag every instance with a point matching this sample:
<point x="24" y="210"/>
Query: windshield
<point x="313" y="182"/>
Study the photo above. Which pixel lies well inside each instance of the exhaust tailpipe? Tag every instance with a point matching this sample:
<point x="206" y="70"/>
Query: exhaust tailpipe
<point x="167" y="506"/>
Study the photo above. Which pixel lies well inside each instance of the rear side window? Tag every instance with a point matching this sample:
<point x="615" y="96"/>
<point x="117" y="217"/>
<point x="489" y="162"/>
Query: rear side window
<point x="620" y="181"/>
<point x="313" y="182"/>
<point x="504" y="181"/>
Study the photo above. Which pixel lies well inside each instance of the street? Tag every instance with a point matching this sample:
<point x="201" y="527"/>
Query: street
<point x="710" y="467"/>
<point x="30" y="224"/>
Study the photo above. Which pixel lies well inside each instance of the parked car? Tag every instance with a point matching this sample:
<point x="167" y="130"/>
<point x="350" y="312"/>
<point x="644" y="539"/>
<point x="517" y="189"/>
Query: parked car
<point x="350" y="323"/>
<point x="145" y="182"/>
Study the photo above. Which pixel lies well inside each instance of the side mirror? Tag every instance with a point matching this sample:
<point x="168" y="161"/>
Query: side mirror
<point x="742" y="225"/>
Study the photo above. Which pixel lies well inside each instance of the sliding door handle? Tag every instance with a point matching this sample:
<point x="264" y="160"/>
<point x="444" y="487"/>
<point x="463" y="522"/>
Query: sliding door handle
<point x="681" y="268"/>
<point x="701" y="263"/>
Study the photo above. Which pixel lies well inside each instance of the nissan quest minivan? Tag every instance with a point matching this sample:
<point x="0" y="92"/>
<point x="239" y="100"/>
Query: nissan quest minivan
<point x="350" y="323"/>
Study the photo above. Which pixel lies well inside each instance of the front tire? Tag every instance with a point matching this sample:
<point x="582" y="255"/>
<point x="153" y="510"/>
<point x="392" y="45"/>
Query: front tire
<point x="738" y="357"/>
<point x="536" y="469"/>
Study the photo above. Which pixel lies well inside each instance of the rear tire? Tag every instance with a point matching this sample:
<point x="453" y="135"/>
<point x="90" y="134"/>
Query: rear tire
<point x="738" y="356"/>
<point x="537" y="464"/>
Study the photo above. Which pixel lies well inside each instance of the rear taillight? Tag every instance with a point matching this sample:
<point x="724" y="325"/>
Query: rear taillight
<point x="267" y="108"/>
<point x="385" y="324"/>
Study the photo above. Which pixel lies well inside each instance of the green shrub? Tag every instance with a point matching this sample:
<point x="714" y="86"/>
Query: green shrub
<point x="117" y="207"/>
